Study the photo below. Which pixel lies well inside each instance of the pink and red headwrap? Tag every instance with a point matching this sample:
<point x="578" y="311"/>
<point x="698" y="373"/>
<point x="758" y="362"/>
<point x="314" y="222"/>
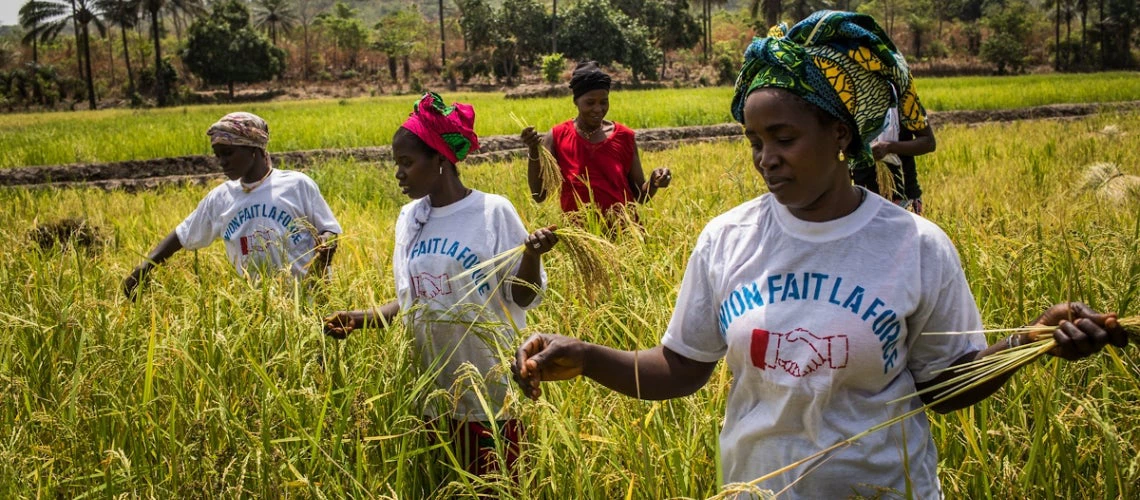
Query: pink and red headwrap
<point x="450" y="130"/>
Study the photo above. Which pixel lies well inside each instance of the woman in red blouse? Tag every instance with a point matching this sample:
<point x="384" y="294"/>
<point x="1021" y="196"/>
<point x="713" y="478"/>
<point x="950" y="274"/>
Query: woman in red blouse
<point x="598" y="158"/>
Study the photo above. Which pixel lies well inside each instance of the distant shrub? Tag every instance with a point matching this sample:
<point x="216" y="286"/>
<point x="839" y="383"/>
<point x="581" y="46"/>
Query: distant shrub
<point x="552" y="66"/>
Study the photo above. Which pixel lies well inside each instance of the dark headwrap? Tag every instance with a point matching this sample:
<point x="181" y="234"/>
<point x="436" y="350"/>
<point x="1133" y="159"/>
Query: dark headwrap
<point x="843" y="63"/>
<point x="588" y="76"/>
<point x="450" y="130"/>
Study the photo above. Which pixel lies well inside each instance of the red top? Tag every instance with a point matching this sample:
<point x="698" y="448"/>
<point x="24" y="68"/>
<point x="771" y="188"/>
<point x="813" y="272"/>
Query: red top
<point x="606" y="165"/>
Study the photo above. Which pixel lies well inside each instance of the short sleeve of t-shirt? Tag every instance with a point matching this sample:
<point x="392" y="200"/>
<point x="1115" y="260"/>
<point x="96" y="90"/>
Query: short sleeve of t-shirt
<point x="949" y="308"/>
<point x="693" y="331"/>
<point x="510" y="234"/>
<point x="202" y="226"/>
<point x="320" y="215"/>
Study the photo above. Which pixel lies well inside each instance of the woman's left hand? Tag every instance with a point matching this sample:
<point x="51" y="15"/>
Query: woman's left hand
<point x="1081" y="331"/>
<point x="541" y="241"/>
<point x="660" y="178"/>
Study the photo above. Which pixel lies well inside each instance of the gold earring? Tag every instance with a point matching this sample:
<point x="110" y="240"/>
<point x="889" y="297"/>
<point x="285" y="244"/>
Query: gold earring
<point x="842" y="157"/>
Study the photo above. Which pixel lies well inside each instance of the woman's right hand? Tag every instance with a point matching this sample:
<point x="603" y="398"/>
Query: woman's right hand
<point x="339" y="324"/>
<point x="532" y="139"/>
<point x="133" y="280"/>
<point x="546" y="357"/>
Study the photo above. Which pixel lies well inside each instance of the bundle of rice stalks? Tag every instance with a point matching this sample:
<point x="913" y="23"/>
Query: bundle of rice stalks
<point x="548" y="170"/>
<point x="885" y="179"/>
<point x="1109" y="183"/>
<point x="969" y="376"/>
<point x="593" y="258"/>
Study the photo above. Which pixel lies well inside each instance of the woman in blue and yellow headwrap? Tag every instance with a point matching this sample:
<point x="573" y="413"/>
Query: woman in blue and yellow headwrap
<point x="815" y="293"/>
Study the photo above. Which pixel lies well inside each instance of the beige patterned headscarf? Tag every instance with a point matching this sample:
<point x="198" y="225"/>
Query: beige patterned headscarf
<point x="240" y="129"/>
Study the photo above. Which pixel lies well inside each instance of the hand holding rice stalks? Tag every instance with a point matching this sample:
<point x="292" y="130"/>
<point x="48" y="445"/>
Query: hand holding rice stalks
<point x="548" y="170"/>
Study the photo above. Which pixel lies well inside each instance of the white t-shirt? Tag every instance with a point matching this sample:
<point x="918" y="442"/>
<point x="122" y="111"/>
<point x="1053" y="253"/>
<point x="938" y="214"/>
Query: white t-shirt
<point x="818" y="323"/>
<point x="270" y="228"/>
<point x="468" y="320"/>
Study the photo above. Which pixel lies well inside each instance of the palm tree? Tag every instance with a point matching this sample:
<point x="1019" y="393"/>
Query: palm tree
<point x="48" y="18"/>
<point x="124" y="13"/>
<point x="30" y="21"/>
<point x="154" y="7"/>
<point x="274" y="16"/>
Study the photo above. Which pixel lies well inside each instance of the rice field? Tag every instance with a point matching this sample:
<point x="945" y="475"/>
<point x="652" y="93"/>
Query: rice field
<point x="125" y="134"/>
<point x="212" y="387"/>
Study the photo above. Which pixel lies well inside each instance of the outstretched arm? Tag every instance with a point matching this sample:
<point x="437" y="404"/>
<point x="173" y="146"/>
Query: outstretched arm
<point x="1081" y="332"/>
<point x="339" y="324"/>
<point x="167" y="247"/>
<point x="652" y="374"/>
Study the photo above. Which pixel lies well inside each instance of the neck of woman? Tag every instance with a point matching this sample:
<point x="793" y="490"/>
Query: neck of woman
<point x="259" y="172"/>
<point x="841" y="202"/>
<point x="451" y="192"/>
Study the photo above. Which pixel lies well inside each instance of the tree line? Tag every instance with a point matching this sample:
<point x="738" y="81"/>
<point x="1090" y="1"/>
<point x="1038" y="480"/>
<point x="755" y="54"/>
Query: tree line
<point x="226" y="42"/>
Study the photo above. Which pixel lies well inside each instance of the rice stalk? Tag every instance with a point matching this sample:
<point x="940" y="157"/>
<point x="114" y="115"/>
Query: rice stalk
<point x="885" y="179"/>
<point x="592" y="257"/>
<point x="548" y="171"/>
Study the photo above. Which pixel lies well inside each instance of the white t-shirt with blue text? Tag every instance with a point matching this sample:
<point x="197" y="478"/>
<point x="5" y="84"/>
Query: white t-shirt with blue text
<point x="819" y="324"/>
<point x="272" y="227"/>
<point x="469" y="320"/>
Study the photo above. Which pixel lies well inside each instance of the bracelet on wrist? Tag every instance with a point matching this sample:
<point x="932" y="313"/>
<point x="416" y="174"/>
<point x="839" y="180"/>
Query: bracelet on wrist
<point x="1013" y="341"/>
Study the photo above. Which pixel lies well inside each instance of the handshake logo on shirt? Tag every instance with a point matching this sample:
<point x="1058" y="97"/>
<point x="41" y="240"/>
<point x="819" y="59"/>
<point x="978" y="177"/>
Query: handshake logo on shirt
<point x="798" y="352"/>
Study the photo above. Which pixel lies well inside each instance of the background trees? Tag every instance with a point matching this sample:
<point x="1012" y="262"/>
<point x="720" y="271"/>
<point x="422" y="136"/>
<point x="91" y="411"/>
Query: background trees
<point x="369" y="41"/>
<point x="224" y="49"/>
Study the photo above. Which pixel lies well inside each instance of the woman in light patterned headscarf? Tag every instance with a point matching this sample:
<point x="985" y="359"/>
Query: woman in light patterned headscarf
<point x="815" y="294"/>
<point x="269" y="219"/>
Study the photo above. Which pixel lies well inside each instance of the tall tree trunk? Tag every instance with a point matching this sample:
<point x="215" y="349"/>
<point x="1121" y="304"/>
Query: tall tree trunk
<point x="554" y="27"/>
<point x="111" y="57"/>
<point x="1103" y="36"/>
<point x="35" y="52"/>
<point x="230" y="85"/>
<point x="127" y="60"/>
<point x="1084" y="26"/>
<point x="407" y="70"/>
<point x="78" y="51"/>
<point x="442" y="38"/>
<point x="305" y="52"/>
<point x="87" y="59"/>
<point x="704" y="34"/>
<point x="392" y="68"/>
<point x="772" y="10"/>
<point x="160" y="84"/>
<point x="1057" y="36"/>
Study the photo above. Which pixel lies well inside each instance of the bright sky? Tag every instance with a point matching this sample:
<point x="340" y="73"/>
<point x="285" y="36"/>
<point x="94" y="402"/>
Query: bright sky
<point x="10" y="11"/>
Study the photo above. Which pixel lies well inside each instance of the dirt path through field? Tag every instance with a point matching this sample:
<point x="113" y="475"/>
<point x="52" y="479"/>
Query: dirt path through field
<point x="147" y="174"/>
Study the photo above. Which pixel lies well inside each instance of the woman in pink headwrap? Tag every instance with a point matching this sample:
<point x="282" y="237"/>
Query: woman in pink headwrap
<point x="458" y="317"/>
<point x="270" y="219"/>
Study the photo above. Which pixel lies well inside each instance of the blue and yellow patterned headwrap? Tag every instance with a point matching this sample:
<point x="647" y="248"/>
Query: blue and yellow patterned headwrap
<point x="843" y="63"/>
